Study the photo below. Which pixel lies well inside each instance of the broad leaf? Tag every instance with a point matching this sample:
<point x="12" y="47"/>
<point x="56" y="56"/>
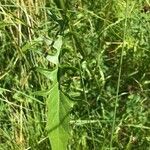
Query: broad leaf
<point x="58" y="104"/>
<point x="58" y="118"/>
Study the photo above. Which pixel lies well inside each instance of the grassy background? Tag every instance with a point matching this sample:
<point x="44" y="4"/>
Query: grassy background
<point x="104" y="67"/>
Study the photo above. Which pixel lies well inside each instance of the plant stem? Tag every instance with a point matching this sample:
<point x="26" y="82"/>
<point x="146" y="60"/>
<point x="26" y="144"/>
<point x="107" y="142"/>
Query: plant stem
<point x="119" y="78"/>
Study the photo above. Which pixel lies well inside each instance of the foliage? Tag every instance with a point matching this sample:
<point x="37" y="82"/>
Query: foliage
<point x="93" y="54"/>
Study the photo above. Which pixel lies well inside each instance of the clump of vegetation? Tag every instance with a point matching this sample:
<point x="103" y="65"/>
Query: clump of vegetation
<point x="74" y="75"/>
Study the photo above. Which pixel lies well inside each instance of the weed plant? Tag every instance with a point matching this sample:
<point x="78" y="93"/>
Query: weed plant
<point x="102" y="67"/>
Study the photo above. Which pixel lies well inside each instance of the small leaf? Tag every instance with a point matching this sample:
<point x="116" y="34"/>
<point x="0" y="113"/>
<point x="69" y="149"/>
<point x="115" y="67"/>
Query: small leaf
<point x="58" y="43"/>
<point x="53" y="59"/>
<point x="52" y="75"/>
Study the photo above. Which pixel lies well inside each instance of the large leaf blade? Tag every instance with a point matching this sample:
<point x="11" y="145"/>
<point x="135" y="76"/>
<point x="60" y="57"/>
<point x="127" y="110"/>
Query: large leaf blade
<point x="58" y="118"/>
<point x="58" y="105"/>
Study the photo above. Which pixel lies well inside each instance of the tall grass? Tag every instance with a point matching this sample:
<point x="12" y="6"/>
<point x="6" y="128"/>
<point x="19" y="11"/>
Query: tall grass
<point x="103" y="67"/>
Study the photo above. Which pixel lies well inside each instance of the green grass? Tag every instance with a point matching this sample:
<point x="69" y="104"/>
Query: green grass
<point x="102" y="68"/>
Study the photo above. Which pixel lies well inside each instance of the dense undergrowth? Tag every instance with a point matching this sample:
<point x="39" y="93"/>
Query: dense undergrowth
<point x="102" y="67"/>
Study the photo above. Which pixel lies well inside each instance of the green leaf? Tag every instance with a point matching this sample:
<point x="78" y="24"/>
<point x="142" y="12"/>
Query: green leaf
<point x="49" y="74"/>
<point x="53" y="59"/>
<point x="57" y="44"/>
<point x="58" y="118"/>
<point x="58" y="105"/>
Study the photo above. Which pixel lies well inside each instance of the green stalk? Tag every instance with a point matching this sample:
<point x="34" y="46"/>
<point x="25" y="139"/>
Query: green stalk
<point x="60" y="4"/>
<point x="119" y="79"/>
